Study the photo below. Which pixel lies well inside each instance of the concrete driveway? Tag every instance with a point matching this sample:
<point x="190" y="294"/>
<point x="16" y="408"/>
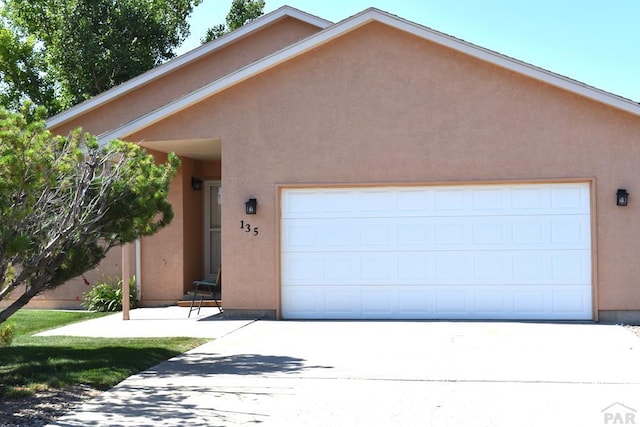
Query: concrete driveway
<point x="387" y="373"/>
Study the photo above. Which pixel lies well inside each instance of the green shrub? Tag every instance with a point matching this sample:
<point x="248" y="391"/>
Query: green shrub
<point x="6" y="334"/>
<point x="107" y="297"/>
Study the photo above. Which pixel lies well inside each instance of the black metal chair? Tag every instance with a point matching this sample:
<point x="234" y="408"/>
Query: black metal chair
<point x="203" y="288"/>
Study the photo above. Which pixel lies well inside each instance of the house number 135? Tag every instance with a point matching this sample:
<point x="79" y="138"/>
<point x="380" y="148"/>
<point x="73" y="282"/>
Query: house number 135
<point x="247" y="228"/>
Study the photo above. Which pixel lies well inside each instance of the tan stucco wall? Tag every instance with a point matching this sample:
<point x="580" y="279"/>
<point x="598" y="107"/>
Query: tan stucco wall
<point x="161" y="255"/>
<point x="381" y="106"/>
<point x="191" y="76"/>
<point x="69" y="295"/>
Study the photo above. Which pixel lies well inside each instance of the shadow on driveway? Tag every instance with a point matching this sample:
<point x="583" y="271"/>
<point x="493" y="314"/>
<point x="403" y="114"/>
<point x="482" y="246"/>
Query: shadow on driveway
<point x="208" y="365"/>
<point x="196" y="389"/>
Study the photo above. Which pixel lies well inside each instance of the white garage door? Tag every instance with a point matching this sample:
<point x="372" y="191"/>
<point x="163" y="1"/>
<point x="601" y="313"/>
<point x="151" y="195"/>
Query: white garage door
<point x="445" y="252"/>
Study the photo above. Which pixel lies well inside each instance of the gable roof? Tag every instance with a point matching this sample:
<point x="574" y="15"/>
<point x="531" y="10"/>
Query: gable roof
<point x="343" y="27"/>
<point x="187" y="58"/>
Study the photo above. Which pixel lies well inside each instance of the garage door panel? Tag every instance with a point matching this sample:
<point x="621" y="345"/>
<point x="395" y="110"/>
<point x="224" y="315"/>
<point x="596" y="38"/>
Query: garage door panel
<point x="303" y="302"/>
<point x="434" y="233"/>
<point x="449" y="200"/>
<point x="530" y="303"/>
<point x="491" y="302"/>
<point x="574" y="266"/>
<point x="337" y="202"/>
<point x="379" y="303"/>
<point x="326" y="203"/>
<point x="570" y="301"/>
<point x="550" y="199"/>
<point x="489" y="199"/>
<point x="481" y="200"/>
<point x="453" y="267"/>
<point x="438" y="268"/>
<point x="451" y="302"/>
<point x="416" y="267"/>
<point x="377" y="234"/>
<point x="337" y="236"/>
<point x="437" y="302"/>
<point x="377" y="202"/>
<point x="412" y="234"/>
<point x="489" y="233"/>
<point x="300" y="204"/>
<point x="301" y="269"/>
<point x="570" y="197"/>
<point x="477" y="252"/>
<point x="571" y="231"/>
<point x="530" y="198"/>
<point x="378" y="268"/>
<point x="551" y="267"/>
<point x="301" y="236"/>
<point x="492" y="267"/>
<point x="413" y="302"/>
<point x="414" y="202"/>
<point x="342" y="301"/>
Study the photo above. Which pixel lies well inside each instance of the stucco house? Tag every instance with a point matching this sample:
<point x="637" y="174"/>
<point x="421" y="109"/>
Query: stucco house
<point x="399" y="173"/>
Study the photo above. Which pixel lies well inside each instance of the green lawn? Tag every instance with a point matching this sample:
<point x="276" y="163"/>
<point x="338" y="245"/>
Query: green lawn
<point x="34" y="363"/>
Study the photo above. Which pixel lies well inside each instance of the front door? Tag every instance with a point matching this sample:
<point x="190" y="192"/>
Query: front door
<point x="212" y="229"/>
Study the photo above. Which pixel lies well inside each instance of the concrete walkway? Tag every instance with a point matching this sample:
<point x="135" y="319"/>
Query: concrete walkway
<point x="154" y="323"/>
<point x="385" y="374"/>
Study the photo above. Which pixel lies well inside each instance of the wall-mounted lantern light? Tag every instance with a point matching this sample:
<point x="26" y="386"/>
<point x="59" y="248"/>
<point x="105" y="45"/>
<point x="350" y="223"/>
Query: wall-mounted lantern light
<point x="622" y="197"/>
<point x="251" y="206"/>
<point x="196" y="183"/>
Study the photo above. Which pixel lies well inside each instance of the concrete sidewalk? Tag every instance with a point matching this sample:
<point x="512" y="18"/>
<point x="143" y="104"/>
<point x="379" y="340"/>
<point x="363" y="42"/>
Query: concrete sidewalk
<point x="386" y="373"/>
<point x="154" y="323"/>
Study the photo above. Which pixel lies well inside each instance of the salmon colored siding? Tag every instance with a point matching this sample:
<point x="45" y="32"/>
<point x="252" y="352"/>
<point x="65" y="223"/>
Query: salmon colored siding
<point x="374" y="105"/>
<point x="381" y="106"/>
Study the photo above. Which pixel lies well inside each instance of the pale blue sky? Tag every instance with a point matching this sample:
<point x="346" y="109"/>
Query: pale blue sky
<point x="594" y="41"/>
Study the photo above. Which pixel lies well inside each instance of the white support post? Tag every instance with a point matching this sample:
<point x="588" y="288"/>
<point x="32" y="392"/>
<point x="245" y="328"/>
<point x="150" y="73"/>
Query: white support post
<point x="126" y="273"/>
<point x="138" y="270"/>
